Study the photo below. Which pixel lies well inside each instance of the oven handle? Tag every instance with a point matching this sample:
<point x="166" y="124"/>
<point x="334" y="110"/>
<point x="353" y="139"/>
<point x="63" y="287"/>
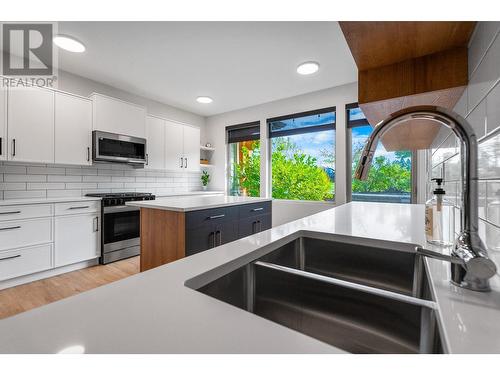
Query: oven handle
<point x="112" y="209"/>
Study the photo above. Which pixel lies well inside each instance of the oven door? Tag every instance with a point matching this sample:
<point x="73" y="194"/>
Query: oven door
<point x="118" y="148"/>
<point x="121" y="224"/>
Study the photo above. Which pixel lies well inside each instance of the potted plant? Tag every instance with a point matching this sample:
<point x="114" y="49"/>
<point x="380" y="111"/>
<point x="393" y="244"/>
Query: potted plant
<point x="205" y="179"/>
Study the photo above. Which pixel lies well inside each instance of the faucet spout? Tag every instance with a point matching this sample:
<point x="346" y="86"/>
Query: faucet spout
<point x="473" y="268"/>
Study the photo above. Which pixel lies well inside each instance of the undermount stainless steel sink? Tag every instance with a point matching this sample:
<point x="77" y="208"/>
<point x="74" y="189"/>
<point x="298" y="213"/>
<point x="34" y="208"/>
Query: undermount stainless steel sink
<point x="362" y="299"/>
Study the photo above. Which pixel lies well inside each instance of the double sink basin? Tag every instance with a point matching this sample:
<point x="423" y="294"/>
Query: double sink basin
<point x="362" y="298"/>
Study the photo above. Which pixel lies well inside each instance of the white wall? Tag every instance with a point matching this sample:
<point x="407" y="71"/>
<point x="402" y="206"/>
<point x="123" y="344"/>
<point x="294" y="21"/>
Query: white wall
<point x="284" y="210"/>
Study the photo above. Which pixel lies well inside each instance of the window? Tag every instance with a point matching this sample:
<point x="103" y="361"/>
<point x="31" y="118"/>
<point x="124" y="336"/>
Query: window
<point x="244" y="159"/>
<point x="303" y="155"/>
<point x="390" y="177"/>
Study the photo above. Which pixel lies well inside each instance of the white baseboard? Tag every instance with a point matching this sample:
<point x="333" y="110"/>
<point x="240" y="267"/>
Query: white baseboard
<point x="48" y="273"/>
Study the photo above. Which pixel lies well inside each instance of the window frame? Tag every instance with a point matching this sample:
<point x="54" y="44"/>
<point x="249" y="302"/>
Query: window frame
<point x="228" y="150"/>
<point x="348" y="148"/>
<point x="330" y="126"/>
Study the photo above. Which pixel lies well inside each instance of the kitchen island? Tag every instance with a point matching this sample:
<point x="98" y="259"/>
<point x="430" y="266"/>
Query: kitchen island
<point x="173" y="228"/>
<point x="156" y="312"/>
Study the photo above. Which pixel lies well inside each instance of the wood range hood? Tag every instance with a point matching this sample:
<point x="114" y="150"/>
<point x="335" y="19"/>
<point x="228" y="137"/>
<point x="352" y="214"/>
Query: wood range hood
<point x="402" y="64"/>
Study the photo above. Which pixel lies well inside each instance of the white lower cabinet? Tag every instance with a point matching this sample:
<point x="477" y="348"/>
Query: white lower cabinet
<point x="20" y="233"/>
<point x="77" y="238"/>
<point x="41" y="237"/>
<point x="19" y="262"/>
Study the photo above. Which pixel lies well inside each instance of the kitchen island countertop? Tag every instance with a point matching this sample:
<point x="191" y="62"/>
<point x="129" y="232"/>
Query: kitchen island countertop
<point x="194" y="203"/>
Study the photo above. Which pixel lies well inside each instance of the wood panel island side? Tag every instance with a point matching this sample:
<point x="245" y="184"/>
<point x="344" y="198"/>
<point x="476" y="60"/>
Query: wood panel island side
<point x="173" y="228"/>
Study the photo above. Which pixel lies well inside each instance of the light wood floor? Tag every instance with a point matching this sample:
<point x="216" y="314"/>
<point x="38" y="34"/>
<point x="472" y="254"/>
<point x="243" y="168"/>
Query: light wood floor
<point x="37" y="293"/>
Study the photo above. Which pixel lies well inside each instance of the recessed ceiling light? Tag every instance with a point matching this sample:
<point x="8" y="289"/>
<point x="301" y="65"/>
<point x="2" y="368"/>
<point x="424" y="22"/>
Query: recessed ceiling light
<point x="204" y="99"/>
<point x="308" y="67"/>
<point x="68" y="43"/>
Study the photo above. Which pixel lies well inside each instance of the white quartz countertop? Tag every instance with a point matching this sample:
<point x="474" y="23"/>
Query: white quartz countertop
<point x="155" y="312"/>
<point x="15" y="202"/>
<point x="184" y="204"/>
<point x="190" y="193"/>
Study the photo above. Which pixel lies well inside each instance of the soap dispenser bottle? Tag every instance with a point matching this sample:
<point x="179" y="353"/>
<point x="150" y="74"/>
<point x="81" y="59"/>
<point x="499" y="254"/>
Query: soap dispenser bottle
<point x="439" y="218"/>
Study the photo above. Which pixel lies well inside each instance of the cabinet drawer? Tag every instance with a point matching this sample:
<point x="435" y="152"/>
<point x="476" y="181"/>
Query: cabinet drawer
<point x="195" y="219"/>
<point x="71" y="208"/>
<point x="14" y="263"/>
<point x="25" y="211"/>
<point x="15" y="234"/>
<point x="254" y="209"/>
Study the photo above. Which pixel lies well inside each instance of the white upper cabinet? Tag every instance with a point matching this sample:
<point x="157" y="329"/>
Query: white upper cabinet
<point x="3" y="123"/>
<point x="174" y="158"/>
<point x="155" y="146"/>
<point x="191" y="148"/>
<point x="73" y="129"/>
<point x="30" y="125"/>
<point x="116" y="116"/>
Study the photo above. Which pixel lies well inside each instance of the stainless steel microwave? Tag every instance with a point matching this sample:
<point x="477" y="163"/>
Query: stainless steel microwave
<point x="118" y="148"/>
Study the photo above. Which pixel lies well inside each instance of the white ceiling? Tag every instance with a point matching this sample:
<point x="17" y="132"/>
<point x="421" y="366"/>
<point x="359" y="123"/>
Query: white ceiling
<point x="238" y="64"/>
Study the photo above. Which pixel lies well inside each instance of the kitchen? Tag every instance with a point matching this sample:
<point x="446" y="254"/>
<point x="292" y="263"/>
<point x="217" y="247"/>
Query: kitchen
<point x="345" y="201"/>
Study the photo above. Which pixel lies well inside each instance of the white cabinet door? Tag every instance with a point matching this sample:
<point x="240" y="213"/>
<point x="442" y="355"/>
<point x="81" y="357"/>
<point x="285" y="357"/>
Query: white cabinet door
<point x="116" y="116"/>
<point x="73" y="129"/>
<point x="174" y="156"/>
<point x="30" y="124"/>
<point x="191" y="148"/>
<point x="155" y="146"/>
<point x="3" y="123"/>
<point x="76" y="238"/>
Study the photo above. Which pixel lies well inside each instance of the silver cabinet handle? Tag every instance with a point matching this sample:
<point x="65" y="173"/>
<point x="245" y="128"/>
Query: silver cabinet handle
<point x="1" y="141"/>
<point x="11" y="228"/>
<point x="96" y="222"/>
<point x="212" y="238"/>
<point x="11" y="257"/>
<point x="10" y="212"/>
<point x="147" y="159"/>
<point x="186" y="159"/>
<point x="182" y="162"/>
<point x="216" y="217"/>
<point x="88" y="153"/>
<point x="78" y="208"/>
<point x="220" y="237"/>
<point x="258" y="209"/>
<point x="14" y="147"/>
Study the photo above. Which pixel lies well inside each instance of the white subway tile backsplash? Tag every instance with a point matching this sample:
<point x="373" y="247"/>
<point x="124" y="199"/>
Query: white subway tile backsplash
<point x="109" y="172"/>
<point x="46" y="170"/>
<point x="21" y="194"/>
<point x="63" y="193"/>
<point x="96" y="178"/>
<point x="17" y="169"/>
<point x="80" y="171"/>
<point x="24" y="178"/>
<point x="63" y="178"/>
<point x="477" y="119"/>
<point x="493" y="108"/>
<point x="44" y="185"/>
<point x="122" y="179"/>
<point x="489" y="158"/>
<point x="485" y="76"/>
<point x="483" y="36"/>
<point x="12" y="186"/>
<point x="110" y="185"/>
<point x="81" y="185"/>
<point x="493" y="202"/>
<point x="483" y="108"/>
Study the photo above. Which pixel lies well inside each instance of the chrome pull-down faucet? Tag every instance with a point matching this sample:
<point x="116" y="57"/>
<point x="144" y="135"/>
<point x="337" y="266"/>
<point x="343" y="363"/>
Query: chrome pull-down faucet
<point x="470" y="266"/>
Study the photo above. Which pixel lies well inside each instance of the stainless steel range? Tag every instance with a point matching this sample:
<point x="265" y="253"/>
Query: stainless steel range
<point x="120" y="232"/>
